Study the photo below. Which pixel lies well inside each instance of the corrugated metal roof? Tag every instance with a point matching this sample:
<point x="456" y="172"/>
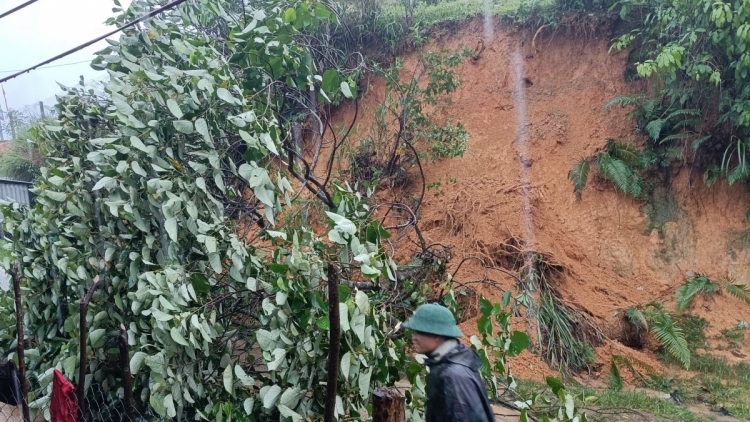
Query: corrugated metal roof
<point x="15" y="191"/>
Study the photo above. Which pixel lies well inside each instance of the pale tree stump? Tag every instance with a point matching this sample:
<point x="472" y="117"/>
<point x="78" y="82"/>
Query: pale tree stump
<point x="388" y="405"/>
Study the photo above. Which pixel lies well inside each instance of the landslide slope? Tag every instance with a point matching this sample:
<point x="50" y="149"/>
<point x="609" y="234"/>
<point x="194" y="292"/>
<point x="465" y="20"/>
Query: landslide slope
<point x="609" y="251"/>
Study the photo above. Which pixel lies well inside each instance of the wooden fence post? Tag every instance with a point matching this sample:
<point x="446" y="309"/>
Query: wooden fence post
<point x="388" y="405"/>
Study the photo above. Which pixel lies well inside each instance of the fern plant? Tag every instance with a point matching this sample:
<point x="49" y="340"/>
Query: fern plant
<point x="663" y="121"/>
<point x="637" y="318"/>
<point x="670" y="131"/>
<point x="642" y="106"/>
<point x="636" y="366"/>
<point x="671" y="337"/>
<point x="616" y="383"/>
<point x="696" y="285"/>
<point x="654" y="318"/>
<point x="703" y="285"/>
<point x="579" y="175"/>
<point x="740" y="291"/>
<point x="618" y="162"/>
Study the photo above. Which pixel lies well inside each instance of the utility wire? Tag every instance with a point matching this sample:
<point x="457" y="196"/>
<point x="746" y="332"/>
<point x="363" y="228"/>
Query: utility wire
<point x="82" y="46"/>
<point x="47" y="67"/>
<point x="17" y="8"/>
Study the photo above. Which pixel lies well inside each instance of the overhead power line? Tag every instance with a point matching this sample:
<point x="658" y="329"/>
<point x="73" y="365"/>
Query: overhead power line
<point x="17" y="8"/>
<point x="84" y="45"/>
<point x="47" y="67"/>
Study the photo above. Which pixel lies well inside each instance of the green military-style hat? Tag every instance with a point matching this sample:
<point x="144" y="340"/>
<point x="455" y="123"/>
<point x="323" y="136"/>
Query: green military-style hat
<point x="434" y="319"/>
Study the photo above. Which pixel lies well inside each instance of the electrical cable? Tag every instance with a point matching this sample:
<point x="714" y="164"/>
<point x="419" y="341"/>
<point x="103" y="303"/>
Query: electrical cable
<point x="17" y="8"/>
<point x="84" y="45"/>
<point x="47" y="67"/>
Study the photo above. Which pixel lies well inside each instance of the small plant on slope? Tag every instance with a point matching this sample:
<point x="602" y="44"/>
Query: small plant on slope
<point x="635" y="366"/>
<point x="696" y="285"/>
<point x="619" y="163"/>
<point x="579" y="175"/>
<point x="653" y="317"/>
<point x="670" y="131"/>
<point x="703" y="285"/>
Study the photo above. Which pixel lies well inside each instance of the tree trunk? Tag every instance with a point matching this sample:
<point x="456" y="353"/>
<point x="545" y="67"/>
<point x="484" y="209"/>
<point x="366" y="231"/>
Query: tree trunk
<point x="334" y="346"/>
<point x="84" y="307"/>
<point x="388" y="405"/>
<point x="127" y="381"/>
<point x="20" y="346"/>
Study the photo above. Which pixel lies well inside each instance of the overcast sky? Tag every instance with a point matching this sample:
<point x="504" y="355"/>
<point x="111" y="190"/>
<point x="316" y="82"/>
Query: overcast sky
<point x="43" y="30"/>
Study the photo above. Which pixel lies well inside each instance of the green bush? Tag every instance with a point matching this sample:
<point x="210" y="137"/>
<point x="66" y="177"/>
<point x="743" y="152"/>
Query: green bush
<point x="694" y="53"/>
<point x="21" y="162"/>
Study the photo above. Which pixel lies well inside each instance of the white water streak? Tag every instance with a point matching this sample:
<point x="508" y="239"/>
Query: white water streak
<point x="530" y="282"/>
<point x="489" y="21"/>
<point x="519" y="95"/>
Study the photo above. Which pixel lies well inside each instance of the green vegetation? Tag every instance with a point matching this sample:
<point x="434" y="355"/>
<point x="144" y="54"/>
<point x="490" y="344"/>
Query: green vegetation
<point x="564" y="335"/>
<point x="735" y="337"/>
<point x="702" y="285"/>
<point x="676" y="332"/>
<point x="641" y="402"/>
<point x="618" y="163"/>
<point x="22" y="161"/>
<point x="721" y="386"/>
<point x="493" y="348"/>
<point x="654" y="318"/>
<point x="694" y="51"/>
<point x="411" y="108"/>
<point x="382" y="29"/>
<point x="160" y="197"/>
<point x="602" y="405"/>
<point x="715" y="383"/>
<point x="695" y="111"/>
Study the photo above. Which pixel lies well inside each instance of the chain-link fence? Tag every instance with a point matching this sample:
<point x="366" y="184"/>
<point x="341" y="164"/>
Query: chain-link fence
<point x="10" y="413"/>
<point x="98" y="407"/>
<point x="101" y="402"/>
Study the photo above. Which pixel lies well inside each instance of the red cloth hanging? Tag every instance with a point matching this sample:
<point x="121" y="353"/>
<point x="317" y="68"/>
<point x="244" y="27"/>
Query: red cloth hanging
<point x="64" y="407"/>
